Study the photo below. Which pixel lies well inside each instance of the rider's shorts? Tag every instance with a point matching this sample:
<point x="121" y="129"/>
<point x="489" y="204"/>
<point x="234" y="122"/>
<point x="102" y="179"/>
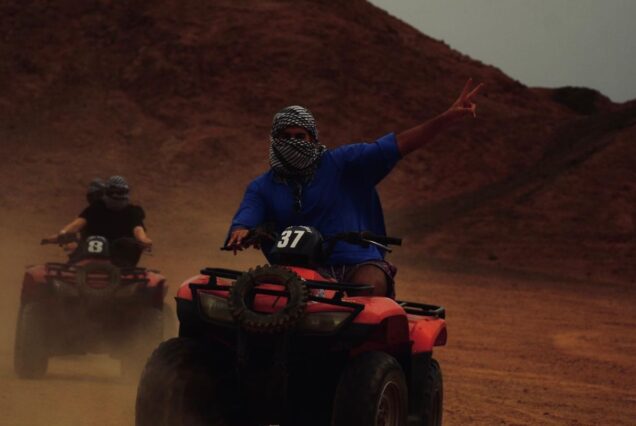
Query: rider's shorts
<point x="345" y="273"/>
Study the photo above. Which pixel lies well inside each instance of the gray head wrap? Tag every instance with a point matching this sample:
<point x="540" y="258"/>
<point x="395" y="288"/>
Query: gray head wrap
<point x="117" y="189"/>
<point x="293" y="157"/>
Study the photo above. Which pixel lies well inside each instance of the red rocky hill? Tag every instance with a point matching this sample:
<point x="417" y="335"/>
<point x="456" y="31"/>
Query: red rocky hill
<point x="178" y="97"/>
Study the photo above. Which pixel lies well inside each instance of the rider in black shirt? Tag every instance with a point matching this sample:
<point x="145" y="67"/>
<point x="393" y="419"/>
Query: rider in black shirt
<point x="115" y="219"/>
<point x="112" y="224"/>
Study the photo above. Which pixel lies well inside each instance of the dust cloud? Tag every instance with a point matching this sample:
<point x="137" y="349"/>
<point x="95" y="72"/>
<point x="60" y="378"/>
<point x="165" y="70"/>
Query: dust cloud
<point x="522" y="349"/>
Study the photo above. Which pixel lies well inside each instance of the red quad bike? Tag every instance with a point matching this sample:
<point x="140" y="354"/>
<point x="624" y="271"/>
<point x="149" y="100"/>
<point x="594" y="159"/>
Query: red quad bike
<point x="88" y="305"/>
<point x="282" y="344"/>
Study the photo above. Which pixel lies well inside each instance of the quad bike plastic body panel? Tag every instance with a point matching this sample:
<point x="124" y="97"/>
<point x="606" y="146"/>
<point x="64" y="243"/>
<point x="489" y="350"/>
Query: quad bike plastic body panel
<point x="53" y="280"/>
<point x="426" y="333"/>
<point x="395" y="327"/>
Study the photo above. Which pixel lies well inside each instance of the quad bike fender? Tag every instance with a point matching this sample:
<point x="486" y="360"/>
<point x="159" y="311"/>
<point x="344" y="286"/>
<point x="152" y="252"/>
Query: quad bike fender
<point x="34" y="283"/>
<point x="157" y="287"/>
<point x="185" y="292"/>
<point x="155" y="280"/>
<point x="36" y="273"/>
<point x="310" y="274"/>
<point x="376" y="309"/>
<point x="426" y="333"/>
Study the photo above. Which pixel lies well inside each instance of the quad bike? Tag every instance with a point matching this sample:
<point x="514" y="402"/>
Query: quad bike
<point x="88" y="305"/>
<point x="282" y="344"/>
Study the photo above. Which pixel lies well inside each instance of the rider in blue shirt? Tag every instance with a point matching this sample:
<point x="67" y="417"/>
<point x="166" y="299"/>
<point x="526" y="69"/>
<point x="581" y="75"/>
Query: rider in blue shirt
<point x="334" y="190"/>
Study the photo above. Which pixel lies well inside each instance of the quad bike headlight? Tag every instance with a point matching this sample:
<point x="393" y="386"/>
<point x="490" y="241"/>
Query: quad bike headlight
<point x="323" y="322"/>
<point x="214" y="307"/>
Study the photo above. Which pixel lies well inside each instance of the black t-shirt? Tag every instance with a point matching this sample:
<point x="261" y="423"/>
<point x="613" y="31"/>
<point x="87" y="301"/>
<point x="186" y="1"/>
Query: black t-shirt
<point x="109" y="223"/>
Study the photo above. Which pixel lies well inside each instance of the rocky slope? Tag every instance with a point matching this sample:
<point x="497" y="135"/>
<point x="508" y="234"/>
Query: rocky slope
<point x="178" y="97"/>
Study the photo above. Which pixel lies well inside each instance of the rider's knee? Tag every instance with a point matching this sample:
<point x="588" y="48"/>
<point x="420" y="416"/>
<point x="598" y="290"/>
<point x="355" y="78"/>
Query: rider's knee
<point x="371" y="275"/>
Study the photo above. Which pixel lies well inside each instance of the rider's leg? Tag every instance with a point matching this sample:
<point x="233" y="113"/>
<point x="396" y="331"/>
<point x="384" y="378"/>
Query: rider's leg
<point x="125" y="252"/>
<point x="371" y="275"/>
<point x="75" y="254"/>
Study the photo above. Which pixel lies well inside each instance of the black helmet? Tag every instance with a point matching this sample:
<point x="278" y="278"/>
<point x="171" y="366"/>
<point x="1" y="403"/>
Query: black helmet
<point x="95" y="191"/>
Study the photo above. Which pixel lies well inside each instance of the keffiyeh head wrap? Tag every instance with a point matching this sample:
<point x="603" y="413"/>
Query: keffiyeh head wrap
<point x="117" y="190"/>
<point x="294" y="157"/>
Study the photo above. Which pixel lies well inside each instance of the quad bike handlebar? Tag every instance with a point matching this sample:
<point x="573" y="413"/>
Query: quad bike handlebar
<point x="61" y="239"/>
<point x="67" y="238"/>
<point x="258" y="235"/>
<point x="366" y="237"/>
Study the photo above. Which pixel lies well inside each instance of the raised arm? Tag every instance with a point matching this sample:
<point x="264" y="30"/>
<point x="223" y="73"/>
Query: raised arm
<point x="418" y="136"/>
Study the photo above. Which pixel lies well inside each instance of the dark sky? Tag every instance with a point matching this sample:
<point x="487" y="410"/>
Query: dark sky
<point x="546" y="43"/>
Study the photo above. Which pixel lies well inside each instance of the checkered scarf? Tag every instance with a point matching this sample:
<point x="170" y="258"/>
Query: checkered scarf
<point x="292" y="157"/>
<point x="116" y="197"/>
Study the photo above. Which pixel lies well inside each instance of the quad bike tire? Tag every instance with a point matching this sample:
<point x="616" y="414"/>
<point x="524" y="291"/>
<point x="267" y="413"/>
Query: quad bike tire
<point x="31" y="356"/>
<point x="431" y="408"/>
<point x="372" y="391"/>
<point x="146" y="334"/>
<point x="181" y="386"/>
<point x="277" y="322"/>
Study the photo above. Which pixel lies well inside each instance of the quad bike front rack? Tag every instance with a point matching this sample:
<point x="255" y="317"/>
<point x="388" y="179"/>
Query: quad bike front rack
<point x="339" y="287"/>
<point x="336" y="300"/>
<point x="64" y="271"/>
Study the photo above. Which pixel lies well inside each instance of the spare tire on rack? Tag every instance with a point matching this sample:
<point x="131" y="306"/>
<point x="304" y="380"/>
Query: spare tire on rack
<point x="242" y="295"/>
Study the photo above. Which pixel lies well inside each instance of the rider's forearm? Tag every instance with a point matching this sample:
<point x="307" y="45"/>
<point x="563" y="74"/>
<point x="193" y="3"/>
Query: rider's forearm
<point x="418" y="136"/>
<point x="140" y="233"/>
<point x="74" y="226"/>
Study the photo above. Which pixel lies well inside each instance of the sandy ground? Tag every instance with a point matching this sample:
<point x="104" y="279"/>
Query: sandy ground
<point x="150" y="90"/>
<point x="522" y="349"/>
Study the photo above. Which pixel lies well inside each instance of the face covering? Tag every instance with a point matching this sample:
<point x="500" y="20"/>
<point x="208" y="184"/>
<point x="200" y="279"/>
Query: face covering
<point x="95" y="191"/>
<point x="294" y="157"/>
<point x="93" y="197"/>
<point x="115" y="204"/>
<point x="116" y="197"/>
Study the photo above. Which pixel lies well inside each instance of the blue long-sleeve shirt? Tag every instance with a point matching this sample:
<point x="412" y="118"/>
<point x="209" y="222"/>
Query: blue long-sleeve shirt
<point x="341" y="197"/>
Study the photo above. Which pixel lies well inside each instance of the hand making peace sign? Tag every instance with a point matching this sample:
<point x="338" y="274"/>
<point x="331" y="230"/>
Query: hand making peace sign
<point x="464" y="104"/>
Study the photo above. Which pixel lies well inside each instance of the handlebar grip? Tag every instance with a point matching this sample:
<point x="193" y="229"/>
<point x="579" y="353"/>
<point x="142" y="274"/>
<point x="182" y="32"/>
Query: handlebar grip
<point x="61" y="239"/>
<point x="45" y="241"/>
<point x="393" y="240"/>
<point x="382" y="239"/>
